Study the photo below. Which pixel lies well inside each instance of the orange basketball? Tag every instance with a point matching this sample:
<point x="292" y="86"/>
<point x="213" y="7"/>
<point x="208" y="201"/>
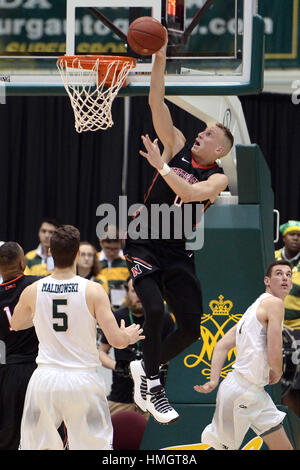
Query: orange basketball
<point x="146" y="35"/>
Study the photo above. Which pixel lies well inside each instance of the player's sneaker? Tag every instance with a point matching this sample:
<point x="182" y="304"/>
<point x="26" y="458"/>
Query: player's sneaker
<point x="140" y="384"/>
<point x="163" y="372"/>
<point x="159" y="407"/>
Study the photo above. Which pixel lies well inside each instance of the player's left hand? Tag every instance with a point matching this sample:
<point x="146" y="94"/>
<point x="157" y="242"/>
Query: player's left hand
<point x="134" y="332"/>
<point x="153" y="153"/>
<point x="207" y="387"/>
<point x="163" y="51"/>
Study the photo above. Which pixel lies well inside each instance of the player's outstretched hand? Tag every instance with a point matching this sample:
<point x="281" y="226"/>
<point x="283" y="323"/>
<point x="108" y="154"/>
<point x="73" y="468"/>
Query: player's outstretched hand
<point x="133" y="331"/>
<point x="152" y="152"/>
<point x="207" y="387"/>
<point x="162" y="52"/>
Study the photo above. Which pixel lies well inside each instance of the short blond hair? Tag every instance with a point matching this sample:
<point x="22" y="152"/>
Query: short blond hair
<point x="227" y="133"/>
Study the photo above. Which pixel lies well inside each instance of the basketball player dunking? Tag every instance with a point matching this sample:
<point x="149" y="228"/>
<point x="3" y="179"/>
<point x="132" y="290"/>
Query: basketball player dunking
<point x="163" y="268"/>
<point x="64" y="309"/>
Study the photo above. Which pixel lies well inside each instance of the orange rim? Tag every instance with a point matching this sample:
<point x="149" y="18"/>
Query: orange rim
<point x="87" y="62"/>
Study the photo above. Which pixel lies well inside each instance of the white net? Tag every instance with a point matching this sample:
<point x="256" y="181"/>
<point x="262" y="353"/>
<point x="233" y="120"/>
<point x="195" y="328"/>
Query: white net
<point x="92" y="85"/>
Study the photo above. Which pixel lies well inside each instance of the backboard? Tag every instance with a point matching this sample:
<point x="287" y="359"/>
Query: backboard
<point x="215" y="47"/>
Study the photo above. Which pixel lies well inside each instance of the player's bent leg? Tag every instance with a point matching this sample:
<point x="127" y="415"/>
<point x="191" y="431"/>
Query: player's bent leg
<point x="156" y="403"/>
<point x="187" y="332"/>
<point x="233" y="414"/>
<point x="276" y="439"/>
<point x="184" y="296"/>
<point x="148" y="291"/>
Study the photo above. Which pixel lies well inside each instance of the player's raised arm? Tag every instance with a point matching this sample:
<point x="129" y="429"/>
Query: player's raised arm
<point x="201" y="191"/>
<point x="168" y="134"/>
<point x="99" y="305"/>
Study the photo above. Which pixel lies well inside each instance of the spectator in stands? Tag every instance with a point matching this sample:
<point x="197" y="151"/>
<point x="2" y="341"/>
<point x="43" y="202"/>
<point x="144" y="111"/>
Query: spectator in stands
<point x="290" y="232"/>
<point x="39" y="262"/>
<point x="290" y="252"/>
<point x="113" y="264"/>
<point x="88" y="265"/>
<point x="121" y="394"/>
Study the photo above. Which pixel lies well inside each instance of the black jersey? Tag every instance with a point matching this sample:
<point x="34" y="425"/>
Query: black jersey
<point x="20" y="346"/>
<point x="160" y="193"/>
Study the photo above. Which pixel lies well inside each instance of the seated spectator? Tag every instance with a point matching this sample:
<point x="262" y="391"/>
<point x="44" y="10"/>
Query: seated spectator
<point x="113" y="264"/>
<point x="291" y="252"/>
<point x="88" y="265"/>
<point x="121" y="394"/>
<point x="290" y="232"/>
<point x="39" y="262"/>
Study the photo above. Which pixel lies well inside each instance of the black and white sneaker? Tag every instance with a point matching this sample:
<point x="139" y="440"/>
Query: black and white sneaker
<point x="140" y="384"/>
<point x="159" y="407"/>
<point x="163" y="372"/>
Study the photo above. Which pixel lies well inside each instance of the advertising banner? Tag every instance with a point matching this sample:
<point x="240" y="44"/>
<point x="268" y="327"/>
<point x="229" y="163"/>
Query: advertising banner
<point x="37" y="27"/>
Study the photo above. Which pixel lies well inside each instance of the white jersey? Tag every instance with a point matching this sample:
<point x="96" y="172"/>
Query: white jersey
<point x="65" y="328"/>
<point x="251" y="344"/>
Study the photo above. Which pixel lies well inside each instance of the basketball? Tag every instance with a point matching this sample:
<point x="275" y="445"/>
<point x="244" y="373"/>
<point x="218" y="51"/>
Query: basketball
<point x="146" y="35"/>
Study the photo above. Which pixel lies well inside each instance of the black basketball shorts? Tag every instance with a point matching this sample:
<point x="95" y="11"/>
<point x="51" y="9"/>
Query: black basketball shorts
<point x="175" y="268"/>
<point x="13" y="384"/>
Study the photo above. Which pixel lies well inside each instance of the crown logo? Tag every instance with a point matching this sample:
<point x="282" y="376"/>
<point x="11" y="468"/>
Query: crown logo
<point x="220" y="307"/>
<point x="213" y="329"/>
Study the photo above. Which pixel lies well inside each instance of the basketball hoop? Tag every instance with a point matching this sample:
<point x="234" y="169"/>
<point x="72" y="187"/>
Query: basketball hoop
<point x="92" y="83"/>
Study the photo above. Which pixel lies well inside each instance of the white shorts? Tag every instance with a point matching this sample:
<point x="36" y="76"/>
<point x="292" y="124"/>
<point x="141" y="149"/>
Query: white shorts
<point x="75" y="396"/>
<point x="240" y="405"/>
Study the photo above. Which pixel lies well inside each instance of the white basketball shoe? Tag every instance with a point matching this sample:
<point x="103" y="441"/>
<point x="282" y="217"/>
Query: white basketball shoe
<point x="140" y="384"/>
<point x="159" y="407"/>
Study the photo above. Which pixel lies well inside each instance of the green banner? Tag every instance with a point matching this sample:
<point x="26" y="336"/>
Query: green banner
<point x="281" y="32"/>
<point x="37" y="27"/>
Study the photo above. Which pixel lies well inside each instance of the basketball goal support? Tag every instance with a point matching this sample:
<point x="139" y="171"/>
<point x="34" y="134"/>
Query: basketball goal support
<point x="73" y="4"/>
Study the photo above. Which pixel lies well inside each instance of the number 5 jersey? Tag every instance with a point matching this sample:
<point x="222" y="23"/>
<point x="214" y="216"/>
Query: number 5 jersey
<point x="64" y="325"/>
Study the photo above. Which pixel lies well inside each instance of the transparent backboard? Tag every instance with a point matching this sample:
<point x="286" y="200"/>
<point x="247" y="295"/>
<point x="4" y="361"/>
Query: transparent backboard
<point x="215" y="46"/>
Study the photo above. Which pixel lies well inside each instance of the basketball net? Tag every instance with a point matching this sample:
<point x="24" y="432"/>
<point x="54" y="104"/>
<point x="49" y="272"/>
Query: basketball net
<point x="92" y="83"/>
